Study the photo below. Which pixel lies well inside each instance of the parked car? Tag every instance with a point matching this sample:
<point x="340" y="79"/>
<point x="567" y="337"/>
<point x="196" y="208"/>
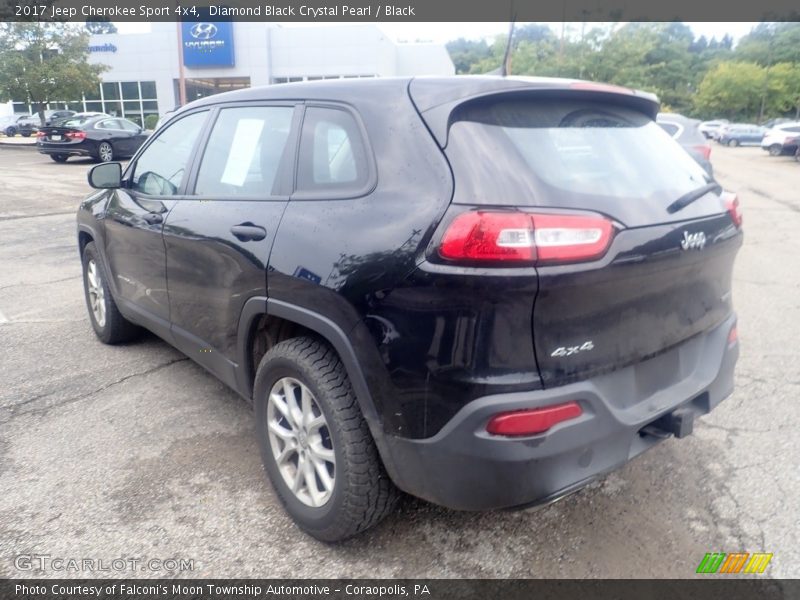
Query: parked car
<point x="775" y="138"/>
<point x="81" y="117"/>
<point x="740" y="134"/>
<point x="709" y="128"/>
<point x="792" y="147"/>
<point x="18" y="124"/>
<point x="774" y="123"/>
<point x="103" y="138"/>
<point x="486" y="292"/>
<point x="53" y="116"/>
<point x="686" y="132"/>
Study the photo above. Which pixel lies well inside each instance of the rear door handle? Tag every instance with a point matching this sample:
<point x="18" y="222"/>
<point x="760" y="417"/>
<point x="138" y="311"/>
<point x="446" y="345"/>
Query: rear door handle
<point x="153" y="218"/>
<point x="246" y="232"/>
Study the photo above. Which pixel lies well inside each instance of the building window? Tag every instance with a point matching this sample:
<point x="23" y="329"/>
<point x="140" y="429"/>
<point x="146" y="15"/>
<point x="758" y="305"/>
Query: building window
<point x="133" y="100"/>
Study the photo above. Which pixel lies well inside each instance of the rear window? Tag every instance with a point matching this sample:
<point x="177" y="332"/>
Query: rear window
<point x="565" y="152"/>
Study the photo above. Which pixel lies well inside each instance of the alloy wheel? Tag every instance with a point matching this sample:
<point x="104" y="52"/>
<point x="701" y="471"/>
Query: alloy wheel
<point x="301" y="442"/>
<point x="97" y="298"/>
<point x="105" y="151"/>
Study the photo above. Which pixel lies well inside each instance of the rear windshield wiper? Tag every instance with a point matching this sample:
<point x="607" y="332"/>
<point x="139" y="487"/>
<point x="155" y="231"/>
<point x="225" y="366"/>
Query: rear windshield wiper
<point x="690" y="197"/>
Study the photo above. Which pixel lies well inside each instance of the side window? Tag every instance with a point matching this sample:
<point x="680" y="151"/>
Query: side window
<point x="245" y="152"/>
<point x="669" y="128"/>
<point x="161" y="167"/>
<point x="128" y="125"/>
<point x="332" y="152"/>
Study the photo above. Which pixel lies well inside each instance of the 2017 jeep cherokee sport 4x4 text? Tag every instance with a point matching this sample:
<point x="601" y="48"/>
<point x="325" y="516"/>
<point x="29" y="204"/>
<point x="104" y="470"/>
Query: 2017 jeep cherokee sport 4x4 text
<point x="483" y="291"/>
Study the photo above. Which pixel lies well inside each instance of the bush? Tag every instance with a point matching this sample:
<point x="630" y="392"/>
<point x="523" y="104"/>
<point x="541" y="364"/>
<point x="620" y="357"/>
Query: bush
<point x="150" y="121"/>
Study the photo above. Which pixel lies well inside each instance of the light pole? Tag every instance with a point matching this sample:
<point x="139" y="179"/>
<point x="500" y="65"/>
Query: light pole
<point x="181" y="76"/>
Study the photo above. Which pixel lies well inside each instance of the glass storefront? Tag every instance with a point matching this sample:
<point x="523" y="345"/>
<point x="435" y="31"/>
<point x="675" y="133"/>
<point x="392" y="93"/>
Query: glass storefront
<point x="200" y="88"/>
<point x="133" y="100"/>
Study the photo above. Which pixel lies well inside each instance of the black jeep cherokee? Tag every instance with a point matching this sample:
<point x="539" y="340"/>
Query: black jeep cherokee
<point x="483" y="291"/>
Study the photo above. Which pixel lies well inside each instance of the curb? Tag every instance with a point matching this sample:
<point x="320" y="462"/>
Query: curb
<point x="17" y="145"/>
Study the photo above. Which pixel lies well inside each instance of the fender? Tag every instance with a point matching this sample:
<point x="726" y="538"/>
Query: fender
<point x="334" y="335"/>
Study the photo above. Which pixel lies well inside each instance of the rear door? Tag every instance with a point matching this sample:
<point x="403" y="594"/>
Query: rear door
<point x="218" y="238"/>
<point x="663" y="270"/>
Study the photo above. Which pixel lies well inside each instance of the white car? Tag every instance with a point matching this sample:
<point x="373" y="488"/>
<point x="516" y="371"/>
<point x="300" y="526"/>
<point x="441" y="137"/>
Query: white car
<point x="709" y="128"/>
<point x="775" y="138"/>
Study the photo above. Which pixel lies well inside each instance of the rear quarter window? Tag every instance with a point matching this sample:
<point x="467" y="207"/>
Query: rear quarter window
<point x="333" y="159"/>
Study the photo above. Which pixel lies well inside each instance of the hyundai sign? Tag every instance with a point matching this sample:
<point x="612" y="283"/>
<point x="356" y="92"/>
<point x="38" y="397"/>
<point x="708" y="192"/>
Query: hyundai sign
<point x="207" y="44"/>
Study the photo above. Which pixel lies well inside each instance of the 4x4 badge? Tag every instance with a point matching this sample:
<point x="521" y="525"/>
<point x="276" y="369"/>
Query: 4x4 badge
<point x="693" y="240"/>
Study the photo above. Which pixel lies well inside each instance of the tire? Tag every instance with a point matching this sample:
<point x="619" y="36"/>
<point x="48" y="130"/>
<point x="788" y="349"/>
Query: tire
<point x="775" y="150"/>
<point x="733" y="143"/>
<point x="10" y="132"/>
<point x="797" y="155"/>
<point x="108" y="323"/>
<point x="25" y="133"/>
<point x="105" y="152"/>
<point x="359" y="493"/>
<point x="59" y="158"/>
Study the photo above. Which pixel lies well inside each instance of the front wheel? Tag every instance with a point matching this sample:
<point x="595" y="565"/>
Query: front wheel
<point x="316" y="446"/>
<point x="105" y="152"/>
<point x="733" y="143"/>
<point x="10" y="131"/>
<point x="775" y="150"/>
<point x="25" y="133"/>
<point x="108" y="323"/>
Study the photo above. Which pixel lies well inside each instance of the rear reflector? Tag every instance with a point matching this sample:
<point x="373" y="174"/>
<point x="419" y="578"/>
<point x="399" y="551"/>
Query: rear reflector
<point x="733" y="336"/>
<point x="524" y="237"/>
<point x="531" y="422"/>
<point x="734" y="210"/>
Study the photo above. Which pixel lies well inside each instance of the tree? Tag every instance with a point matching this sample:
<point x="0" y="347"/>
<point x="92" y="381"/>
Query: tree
<point x="45" y="62"/>
<point x="465" y="53"/>
<point x="100" y="27"/>
<point x="784" y="89"/>
<point x="731" y="89"/>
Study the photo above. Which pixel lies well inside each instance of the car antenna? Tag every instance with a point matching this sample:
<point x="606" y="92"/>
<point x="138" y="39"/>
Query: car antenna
<point x="505" y="68"/>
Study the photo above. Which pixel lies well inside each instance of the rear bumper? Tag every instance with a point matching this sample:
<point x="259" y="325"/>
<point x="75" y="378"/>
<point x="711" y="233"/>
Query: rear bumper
<point x="70" y="149"/>
<point x="463" y="467"/>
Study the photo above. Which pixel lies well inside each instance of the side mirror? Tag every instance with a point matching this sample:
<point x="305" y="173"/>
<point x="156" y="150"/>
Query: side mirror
<point x="106" y="176"/>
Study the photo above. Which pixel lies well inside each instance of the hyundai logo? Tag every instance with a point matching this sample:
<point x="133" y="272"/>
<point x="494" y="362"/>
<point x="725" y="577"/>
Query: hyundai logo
<point x="203" y="31"/>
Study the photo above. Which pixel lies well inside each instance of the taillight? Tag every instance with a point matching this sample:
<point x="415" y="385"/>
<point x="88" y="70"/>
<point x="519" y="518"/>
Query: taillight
<point x="40" y="134"/>
<point x="76" y="135"/>
<point x="533" y="421"/>
<point x="732" y="204"/>
<point x="704" y="149"/>
<point x="523" y="237"/>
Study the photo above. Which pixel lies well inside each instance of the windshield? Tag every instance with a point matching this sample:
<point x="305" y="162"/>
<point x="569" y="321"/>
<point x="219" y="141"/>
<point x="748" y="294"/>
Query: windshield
<point x="565" y="152"/>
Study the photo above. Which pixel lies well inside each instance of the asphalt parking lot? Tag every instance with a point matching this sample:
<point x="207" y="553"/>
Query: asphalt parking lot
<point x="134" y="451"/>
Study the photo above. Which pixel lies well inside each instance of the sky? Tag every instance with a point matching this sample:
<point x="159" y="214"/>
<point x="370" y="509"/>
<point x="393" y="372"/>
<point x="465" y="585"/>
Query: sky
<point x="444" y="32"/>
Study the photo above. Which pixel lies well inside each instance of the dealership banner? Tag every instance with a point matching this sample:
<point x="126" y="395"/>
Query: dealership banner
<point x="397" y="10"/>
<point x="388" y="589"/>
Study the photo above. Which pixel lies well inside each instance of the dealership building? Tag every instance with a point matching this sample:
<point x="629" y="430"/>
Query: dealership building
<point x="145" y="68"/>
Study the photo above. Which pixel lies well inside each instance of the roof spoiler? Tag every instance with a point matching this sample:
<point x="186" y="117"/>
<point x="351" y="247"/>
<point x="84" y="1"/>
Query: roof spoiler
<point x="436" y="101"/>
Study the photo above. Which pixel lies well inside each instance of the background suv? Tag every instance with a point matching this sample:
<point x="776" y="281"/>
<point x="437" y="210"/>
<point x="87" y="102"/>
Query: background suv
<point x="775" y="138"/>
<point x="485" y="292"/>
